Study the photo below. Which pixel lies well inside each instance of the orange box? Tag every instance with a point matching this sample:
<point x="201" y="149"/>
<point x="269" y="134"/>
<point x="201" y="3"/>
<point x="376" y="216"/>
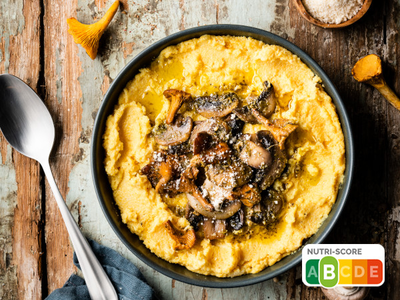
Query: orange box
<point x="360" y="271"/>
<point x="375" y="271"/>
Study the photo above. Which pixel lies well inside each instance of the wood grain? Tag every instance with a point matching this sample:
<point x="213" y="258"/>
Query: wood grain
<point x="21" y="196"/>
<point x="73" y="86"/>
<point x="61" y="70"/>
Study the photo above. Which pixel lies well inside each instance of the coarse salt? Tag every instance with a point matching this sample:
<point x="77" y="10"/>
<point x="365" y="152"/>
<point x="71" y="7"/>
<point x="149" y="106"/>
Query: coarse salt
<point x="333" y="11"/>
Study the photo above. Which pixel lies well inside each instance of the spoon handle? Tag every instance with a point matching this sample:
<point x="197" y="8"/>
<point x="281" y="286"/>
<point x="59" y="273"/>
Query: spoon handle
<point x="97" y="281"/>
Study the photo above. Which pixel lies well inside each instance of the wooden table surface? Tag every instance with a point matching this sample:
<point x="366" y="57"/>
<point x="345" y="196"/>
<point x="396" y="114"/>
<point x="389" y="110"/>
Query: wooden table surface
<point x="35" y="252"/>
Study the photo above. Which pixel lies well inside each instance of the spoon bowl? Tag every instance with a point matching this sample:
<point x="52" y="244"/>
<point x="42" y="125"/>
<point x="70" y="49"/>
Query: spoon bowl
<point x="28" y="127"/>
<point x="25" y="122"/>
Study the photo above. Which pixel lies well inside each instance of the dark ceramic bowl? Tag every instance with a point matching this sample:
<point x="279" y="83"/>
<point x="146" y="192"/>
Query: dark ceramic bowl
<point x="103" y="188"/>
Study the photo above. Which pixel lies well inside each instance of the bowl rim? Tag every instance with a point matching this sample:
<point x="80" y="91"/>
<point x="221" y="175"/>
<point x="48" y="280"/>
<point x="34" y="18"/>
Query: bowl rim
<point x="222" y="29"/>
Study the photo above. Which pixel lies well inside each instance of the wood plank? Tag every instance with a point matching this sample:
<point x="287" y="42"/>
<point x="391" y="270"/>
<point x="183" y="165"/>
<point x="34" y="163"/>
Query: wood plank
<point x="365" y="215"/>
<point x="20" y="193"/>
<point x="391" y="229"/>
<point x="61" y="70"/>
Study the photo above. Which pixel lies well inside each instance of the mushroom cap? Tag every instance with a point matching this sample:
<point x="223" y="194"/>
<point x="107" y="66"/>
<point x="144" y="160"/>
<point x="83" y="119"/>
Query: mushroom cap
<point x="255" y="155"/>
<point x="216" y="105"/>
<point x="367" y="68"/>
<point x="228" y="211"/>
<point x="266" y="177"/>
<point x="230" y="175"/>
<point x="215" y="127"/>
<point x="268" y="209"/>
<point x="265" y="104"/>
<point x="175" y="133"/>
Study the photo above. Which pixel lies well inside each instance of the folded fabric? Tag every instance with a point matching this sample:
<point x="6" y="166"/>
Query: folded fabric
<point x="128" y="282"/>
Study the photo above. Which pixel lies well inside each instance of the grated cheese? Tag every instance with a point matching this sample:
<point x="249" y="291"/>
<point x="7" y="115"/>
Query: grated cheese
<point x="333" y="11"/>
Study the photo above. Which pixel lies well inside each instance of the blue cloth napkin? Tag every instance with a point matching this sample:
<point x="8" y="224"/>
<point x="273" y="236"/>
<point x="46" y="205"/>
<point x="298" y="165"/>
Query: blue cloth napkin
<point x="126" y="278"/>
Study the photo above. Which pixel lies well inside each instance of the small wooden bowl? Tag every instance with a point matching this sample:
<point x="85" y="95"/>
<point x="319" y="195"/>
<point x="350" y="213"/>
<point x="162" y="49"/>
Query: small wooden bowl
<point x="304" y="13"/>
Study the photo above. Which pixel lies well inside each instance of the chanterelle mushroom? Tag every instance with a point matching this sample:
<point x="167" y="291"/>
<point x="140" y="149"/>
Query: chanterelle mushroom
<point x="175" y="133"/>
<point x="176" y="97"/>
<point x="216" y="105"/>
<point x="249" y="194"/>
<point x="164" y="171"/>
<point x="183" y="239"/>
<point x="280" y="129"/>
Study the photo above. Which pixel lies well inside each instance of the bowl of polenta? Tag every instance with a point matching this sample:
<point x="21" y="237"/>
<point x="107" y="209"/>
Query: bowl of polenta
<point x="219" y="152"/>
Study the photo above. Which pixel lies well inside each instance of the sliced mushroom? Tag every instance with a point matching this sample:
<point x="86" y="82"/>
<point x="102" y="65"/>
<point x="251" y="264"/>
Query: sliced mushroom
<point x="183" y="239"/>
<point x="180" y="149"/>
<point x="214" y="229"/>
<point x="188" y="186"/>
<point x="201" y="142"/>
<point x="245" y="114"/>
<point x="255" y="155"/>
<point x="193" y="217"/>
<point x="249" y="194"/>
<point x="217" y="128"/>
<point x="266" y="177"/>
<point x="176" y="98"/>
<point x="235" y="124"/>
<point x="280" y="129"/>
<point x="174" y="134"/>
<point x="228" y="211"/>
<point x="267" y="210"/>
<point x="215" y="194"/>
<point x="220" y="153"/>
<point x="229" y="176"/>
<point x="216" y="105"/>
<point x="265" y="104"/>
<point x="237" y="220"/>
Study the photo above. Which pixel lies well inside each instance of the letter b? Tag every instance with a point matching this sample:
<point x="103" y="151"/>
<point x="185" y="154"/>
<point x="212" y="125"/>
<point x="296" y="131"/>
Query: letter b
<point x="328" y="270"/>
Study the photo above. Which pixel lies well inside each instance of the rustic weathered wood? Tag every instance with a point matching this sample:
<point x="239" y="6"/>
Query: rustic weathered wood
<point x="20" y="192"/>
<point x="61" y="71"/>
<point x="74" y="85"/>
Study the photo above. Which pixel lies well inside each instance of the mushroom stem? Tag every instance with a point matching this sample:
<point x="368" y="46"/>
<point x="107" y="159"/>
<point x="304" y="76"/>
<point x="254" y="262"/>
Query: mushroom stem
<point x="369" y="70"/>
<point x="176" y="97"/>
<point x="88" y="36"/>
<point x="166" y="173"/>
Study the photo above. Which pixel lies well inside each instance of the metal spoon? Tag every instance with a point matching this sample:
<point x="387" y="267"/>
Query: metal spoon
<point x="27" y="126"/>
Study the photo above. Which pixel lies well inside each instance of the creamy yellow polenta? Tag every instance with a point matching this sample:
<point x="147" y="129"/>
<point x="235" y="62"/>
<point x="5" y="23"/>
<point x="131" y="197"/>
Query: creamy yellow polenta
<point x="316" y="153"/>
